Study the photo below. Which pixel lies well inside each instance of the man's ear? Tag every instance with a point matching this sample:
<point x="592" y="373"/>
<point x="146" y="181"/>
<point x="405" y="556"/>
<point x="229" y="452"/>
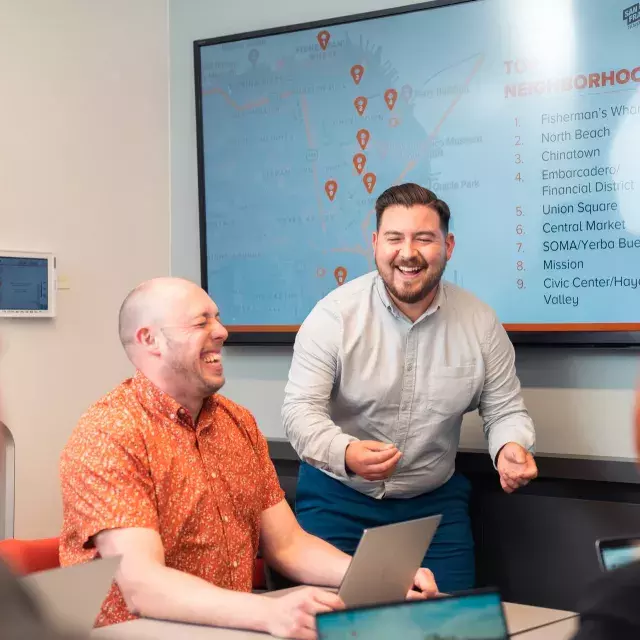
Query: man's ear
<point x="147" y="340"/>
<point x="450" y="243"/>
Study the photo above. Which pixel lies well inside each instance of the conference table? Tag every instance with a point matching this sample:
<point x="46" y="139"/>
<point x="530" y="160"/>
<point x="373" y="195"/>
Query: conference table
<point x="519" y="618"/>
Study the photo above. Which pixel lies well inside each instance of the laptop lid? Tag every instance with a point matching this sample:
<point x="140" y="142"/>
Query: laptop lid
<point x="70" y="597"/>
<point x="472" y="615"/>
<point x="386" y="560"/>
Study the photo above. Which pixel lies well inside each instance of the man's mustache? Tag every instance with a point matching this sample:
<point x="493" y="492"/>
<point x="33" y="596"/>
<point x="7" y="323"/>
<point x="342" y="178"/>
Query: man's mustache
<point x="410" y="263"/>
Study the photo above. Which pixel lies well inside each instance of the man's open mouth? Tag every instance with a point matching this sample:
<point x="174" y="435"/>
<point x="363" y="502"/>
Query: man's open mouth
<point x="410" y="272"/>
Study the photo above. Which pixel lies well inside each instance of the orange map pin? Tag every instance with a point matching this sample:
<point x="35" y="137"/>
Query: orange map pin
<point x="340" y="274"/>
<point x="323" y="39"/>
<point x="359" y="160"/>
<point x="363" y="138"/>
<point x="390" y="97"/>
<point x="357" y="71"/>
<point x="331" y="187"/>
<point x="369" y="181"/>
<point x="361" y="104"/>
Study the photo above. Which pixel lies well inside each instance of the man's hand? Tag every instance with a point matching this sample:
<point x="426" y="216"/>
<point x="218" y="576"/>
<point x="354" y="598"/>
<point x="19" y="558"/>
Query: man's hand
<point x="516" y="467"/>
<point x="424" y="586"/>
<point x="371" y="460"/>
<point x="294" y="615"/>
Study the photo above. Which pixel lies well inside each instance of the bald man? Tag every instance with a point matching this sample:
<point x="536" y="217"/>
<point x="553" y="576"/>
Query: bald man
<point x="175" y="478"/>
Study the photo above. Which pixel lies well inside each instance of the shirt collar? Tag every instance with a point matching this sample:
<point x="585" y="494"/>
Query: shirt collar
<point x="381" y="288"/>
<point x="154" y="399"/>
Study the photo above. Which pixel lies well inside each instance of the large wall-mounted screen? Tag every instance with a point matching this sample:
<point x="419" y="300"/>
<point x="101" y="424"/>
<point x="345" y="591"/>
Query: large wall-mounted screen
<point x="523" y="115"/>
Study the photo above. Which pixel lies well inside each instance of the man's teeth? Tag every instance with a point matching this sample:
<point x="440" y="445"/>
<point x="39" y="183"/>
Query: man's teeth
<point x="212" y="357"/>
<point x="409" y="269"/>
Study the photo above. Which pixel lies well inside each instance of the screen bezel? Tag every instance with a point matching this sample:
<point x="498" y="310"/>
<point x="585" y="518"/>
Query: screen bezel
<point x="50" y="311"/>
<point x="626" y="337"/>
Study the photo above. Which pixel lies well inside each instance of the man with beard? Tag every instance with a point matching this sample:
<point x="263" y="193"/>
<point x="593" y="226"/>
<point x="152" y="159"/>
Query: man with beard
<point x="177" y="480"/>
<point x="384" y="367"/>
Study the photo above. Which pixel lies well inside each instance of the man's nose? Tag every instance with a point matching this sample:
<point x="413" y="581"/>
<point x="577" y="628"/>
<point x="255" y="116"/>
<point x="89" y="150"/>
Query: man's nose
<point x="407" y="250"/>
<point x="221" y="332"/>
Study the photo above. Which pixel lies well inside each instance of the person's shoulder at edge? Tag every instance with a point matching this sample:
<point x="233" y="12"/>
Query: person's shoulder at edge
<point x="608" y="594"/>
<point x="20" y="615"/>
<point x="609" y="606"/>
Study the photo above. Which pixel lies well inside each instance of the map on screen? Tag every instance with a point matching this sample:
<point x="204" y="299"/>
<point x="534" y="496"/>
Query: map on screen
<point x="523" y="115"/>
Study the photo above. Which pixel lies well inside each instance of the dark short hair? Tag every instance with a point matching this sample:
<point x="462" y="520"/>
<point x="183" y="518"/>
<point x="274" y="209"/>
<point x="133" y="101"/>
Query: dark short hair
<point x="410" y="194"/>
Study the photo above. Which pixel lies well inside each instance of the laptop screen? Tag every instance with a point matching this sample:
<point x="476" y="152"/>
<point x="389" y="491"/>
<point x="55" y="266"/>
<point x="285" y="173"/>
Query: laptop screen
<point x="472" y="616"/>
<point x="614" y="557"/>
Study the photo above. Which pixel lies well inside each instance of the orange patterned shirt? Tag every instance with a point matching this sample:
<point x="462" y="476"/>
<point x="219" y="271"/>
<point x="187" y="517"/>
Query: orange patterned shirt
<point x="136" y="460"/>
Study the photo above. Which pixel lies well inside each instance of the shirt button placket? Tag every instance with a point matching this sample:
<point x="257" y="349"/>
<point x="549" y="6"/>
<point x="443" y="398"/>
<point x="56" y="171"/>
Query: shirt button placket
<point x="408" y="388"/>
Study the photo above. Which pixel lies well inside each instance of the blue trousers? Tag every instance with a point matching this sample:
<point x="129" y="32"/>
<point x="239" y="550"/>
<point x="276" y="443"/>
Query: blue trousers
<point x="326" y="508"/>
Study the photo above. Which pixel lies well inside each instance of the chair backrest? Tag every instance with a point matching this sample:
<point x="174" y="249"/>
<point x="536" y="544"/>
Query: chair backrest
<point x="7" y="481"/>
<point x="29" y="556"/>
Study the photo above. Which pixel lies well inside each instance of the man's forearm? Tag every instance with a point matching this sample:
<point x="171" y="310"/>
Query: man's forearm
<point x="314" y="436"/>
<point x="156" y="591"/>
<point x="312" y="561"/>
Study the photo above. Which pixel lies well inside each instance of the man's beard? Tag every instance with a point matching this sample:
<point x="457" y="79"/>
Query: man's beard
<point x="433" y="276"/>
<point x="191" y="377"/>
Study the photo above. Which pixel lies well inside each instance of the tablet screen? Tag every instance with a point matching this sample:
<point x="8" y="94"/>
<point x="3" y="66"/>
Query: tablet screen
<point x="472" y="616"/>
<point x="23" y="283"/>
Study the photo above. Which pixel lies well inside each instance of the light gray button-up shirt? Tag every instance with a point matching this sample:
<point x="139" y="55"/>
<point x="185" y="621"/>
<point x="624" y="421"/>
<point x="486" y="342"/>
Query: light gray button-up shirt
<point x="361" y="370"/>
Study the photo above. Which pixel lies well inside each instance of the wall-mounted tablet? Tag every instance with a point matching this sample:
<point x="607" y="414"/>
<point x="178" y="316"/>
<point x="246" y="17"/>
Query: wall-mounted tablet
<point x="27" y="284"/>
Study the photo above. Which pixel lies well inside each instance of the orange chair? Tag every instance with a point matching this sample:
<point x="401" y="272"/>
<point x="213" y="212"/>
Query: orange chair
<point x="28" y="556"/>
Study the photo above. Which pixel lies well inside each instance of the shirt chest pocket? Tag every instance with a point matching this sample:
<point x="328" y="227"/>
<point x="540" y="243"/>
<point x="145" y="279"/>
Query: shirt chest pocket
<point x="450" y="389"/>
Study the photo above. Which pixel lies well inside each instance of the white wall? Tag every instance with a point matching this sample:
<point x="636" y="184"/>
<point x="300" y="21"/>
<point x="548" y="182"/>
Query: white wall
<point x="84" y="172"/>
<point x="580" y="400"/>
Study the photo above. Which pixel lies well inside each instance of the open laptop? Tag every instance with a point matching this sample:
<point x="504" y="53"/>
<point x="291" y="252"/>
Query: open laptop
<point x="477" y="614"/>
<point x="70" y="597"/>
<point x="470" y="615"/>
<point x="386" y="560"/>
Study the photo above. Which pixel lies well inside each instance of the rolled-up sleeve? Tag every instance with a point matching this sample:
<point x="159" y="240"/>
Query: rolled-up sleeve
<point x="305" y="411"/>
<point x="502" y="407"/>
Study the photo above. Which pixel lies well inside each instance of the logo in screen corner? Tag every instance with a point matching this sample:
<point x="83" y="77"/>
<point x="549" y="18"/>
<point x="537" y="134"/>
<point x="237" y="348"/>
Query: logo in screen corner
<point x="631" y="16"/>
